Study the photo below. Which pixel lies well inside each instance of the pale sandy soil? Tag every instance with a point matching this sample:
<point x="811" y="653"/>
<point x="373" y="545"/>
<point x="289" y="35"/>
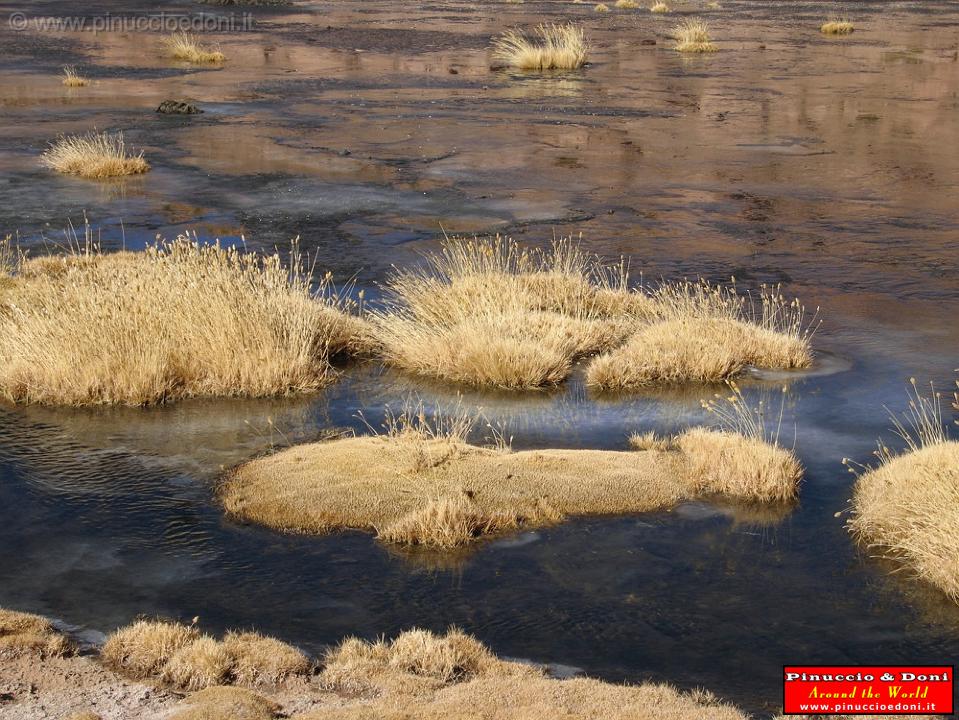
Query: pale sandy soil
<point x="32" y="688"/>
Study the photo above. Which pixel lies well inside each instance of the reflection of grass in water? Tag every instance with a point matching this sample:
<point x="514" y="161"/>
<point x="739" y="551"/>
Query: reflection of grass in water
<point x="570" y="416"/>
<point x="198" y="438"/>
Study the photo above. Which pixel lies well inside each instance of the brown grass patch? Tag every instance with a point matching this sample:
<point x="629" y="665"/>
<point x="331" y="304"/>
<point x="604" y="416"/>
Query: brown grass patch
<point x="26" y="634"/>
<point x="550" y="47"/>
<point x="71" y="78"/>
<point x="202" y="663"/>
<point x="601" y="8"/>
<point x="356" y="666"/>
<point x="184" y="46"/>
<point x="420" y="676"/>
<point x="837" y="26"/>
<point x="704" y="333"/>
<point x="93" y="155"/>
<point x="260" y="660"/>
<point x="142" y="328"/>
<point x="659" y="7"/>
<point x="227" y="703"/>
<point x="141" y="650"/>
<point x="907" y="508"/>
<point x="489" y="313"/>
<point x="417" y="486"/>
<point x="178" y="655"/>
<point x="692" y="35"/>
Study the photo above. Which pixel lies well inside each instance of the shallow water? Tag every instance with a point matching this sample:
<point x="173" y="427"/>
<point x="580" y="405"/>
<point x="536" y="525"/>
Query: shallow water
<point x="827" y="165"/>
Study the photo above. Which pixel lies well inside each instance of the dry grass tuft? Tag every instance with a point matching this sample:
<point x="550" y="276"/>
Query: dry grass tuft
<point x="837" y="26"/>
<point x="692" y="36"/>
<point x="357" y="666"/>
<point x="659" y="7"/>
<point x="552" y="47"/>
<point x="179" y="656"/>
<point x="202" y="663"/>
<point x="423" y="676"/>
<point x="601" y="8"/>
<point x="438" y="491"/>
<point x="489" y="313"/>
<point x="907" y="508"/>
<point x="486" y="312"/>
<point x="227" y="703"/>
<point x="184" y="46"/>
<point x="94" y="155"/>
<point x="26" y="634"/>
<point x="706" y="333"/>
<point x="627" y="4"/>
<point x="143" y="649"/>
<point x="142" y="328"/>
<point x="260" y="660"/>
<point x="447" y="523"/>
<point x="72" y="79"/>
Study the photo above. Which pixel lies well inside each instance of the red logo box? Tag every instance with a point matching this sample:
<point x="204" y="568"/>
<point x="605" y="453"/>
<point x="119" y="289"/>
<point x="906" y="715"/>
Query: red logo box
<point x="868" y="689"/>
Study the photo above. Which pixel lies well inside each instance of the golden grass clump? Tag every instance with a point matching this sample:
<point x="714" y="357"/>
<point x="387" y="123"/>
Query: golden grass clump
<point x="180" y="656"/>
<point x="550" y="47"/>
<point x="143" y="649"/>
<point x="486" y="312"/>
<point x="836" y="26"/>
<point x="180" y="319"/>
<point x="424" y="676"/>
<point x="692" y="35"/>
<point x="224" y="702"/>
<point x="93" y="155"/>
<point x="423" y="487"/>
<point x="659" y="7"/>
<point x="256" y="659"/>
<point x="202" y="663"/>
<point x="489" y="313"/>
<point x="26" y="634"/>
<point x="356" y="666"/>
<point x="707" y="333"/>
<point x="907" y="508"/>
<point x="71" y="78"/>
<point x="627" y="4"/>
<point x="184" y="46"/>
<point x="601" y="8"/>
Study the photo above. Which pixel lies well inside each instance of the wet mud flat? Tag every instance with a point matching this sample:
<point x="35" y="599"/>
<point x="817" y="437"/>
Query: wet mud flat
<point x="367" y="128"/>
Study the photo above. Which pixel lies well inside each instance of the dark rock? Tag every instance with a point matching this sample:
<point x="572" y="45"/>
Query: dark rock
<point x="178" y="107"/>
